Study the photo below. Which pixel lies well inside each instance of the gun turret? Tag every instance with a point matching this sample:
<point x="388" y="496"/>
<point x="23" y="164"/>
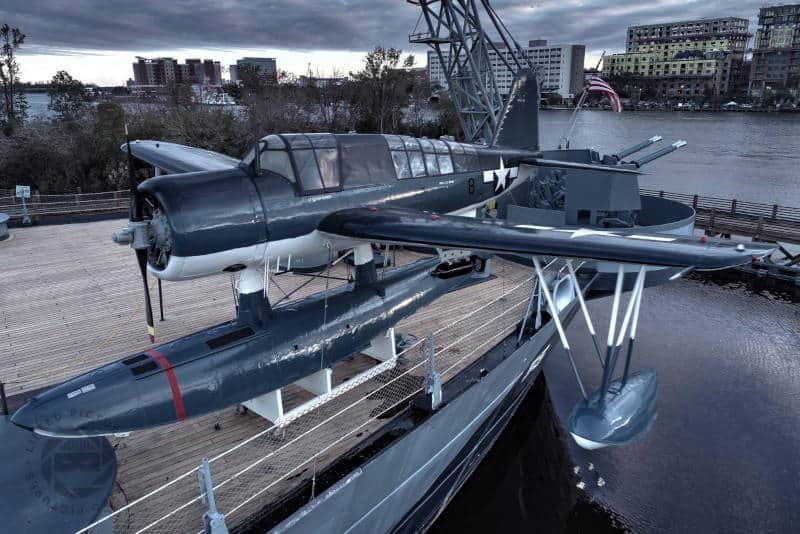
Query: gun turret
<point x="625" y="152"/>
<point x="613" y="159"/>
<point x="659" y="153"/>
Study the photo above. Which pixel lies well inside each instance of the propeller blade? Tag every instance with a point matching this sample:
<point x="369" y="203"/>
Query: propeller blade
<point x="135" y="209"/>
<point x="141" y="257"/>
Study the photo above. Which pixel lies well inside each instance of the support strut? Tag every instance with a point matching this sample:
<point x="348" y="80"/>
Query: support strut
<point x="557" y="320"/>
<point x="638" y="288"/>
<point x="579" y="295"/>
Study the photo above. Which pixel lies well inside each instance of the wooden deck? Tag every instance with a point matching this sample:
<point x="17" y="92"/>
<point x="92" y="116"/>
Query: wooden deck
<point x="71" y="300"/>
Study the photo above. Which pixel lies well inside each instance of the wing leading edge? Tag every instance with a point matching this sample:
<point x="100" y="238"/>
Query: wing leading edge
<point x="173" y="158"/>
<point x="402" y="226"/>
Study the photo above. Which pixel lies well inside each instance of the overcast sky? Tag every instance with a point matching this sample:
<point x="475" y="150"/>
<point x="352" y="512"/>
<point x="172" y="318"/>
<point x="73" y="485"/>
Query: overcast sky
<point x="96" y="40"/>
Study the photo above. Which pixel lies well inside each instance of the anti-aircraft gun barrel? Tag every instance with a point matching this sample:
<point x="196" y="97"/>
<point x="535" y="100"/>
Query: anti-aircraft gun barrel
<point x="659" y="153"/>
<point x="625" y="152"/>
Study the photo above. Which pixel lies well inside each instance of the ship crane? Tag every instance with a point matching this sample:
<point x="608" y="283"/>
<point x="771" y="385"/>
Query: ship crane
<point x="463" y="44"/>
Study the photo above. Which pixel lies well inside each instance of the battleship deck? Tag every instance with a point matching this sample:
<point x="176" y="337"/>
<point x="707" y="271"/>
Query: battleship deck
<point x="72" y="301"/>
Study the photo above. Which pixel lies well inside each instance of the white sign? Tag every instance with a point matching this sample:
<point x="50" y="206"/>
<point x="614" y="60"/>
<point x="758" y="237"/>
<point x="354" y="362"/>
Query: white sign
<point x="23" y="191"/>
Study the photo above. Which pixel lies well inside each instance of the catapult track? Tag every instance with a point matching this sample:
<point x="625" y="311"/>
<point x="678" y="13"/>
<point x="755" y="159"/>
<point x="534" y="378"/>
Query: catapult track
<point x="68" y="311"/>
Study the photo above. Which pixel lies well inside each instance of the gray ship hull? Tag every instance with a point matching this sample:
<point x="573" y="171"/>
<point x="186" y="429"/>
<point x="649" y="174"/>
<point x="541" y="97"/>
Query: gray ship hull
<point x="405" y="485"/>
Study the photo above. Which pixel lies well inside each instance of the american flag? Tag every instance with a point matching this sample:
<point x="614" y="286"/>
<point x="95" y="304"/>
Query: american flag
<point x="597" y="85"/>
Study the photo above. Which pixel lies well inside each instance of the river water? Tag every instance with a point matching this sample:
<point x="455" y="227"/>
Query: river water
<point x="724" y="453"/>
<point x="749" y="156"/>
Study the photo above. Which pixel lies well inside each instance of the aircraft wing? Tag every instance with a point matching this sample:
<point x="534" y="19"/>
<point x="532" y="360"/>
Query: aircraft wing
<point x="173" y="158"/>
<point x="403" y="226"/>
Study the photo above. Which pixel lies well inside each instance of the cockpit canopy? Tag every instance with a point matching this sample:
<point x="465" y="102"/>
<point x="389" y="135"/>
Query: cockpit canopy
<point x="324" y="162"/>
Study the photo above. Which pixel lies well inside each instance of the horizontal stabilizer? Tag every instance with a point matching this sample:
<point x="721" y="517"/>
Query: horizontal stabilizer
<point x="403" y="226"/>
<point x="174" y="159"/>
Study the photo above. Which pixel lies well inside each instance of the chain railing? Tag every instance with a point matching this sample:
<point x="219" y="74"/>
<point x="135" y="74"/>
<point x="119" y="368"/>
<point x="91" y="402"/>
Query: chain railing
<point x="252" y="473"/>
<point x="65" y="204"/>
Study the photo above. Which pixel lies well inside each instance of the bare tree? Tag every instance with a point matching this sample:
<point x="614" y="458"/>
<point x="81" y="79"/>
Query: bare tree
<point x="330" y="101"/>
<point x="14" y="105"/>
<point x="382" y="91"/>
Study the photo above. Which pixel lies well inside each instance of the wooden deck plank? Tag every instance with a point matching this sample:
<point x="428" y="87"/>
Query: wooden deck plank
<point x="71" y="300"/>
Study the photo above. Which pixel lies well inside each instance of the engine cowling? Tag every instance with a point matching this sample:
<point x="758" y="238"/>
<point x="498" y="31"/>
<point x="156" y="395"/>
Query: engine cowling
<point x="203" y="223"/>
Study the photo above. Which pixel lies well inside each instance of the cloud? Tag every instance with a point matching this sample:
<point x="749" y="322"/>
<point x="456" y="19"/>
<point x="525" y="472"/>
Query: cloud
<point x="69" y="26"/>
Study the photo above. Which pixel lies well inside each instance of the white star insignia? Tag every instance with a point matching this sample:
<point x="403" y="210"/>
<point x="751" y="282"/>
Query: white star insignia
<point x="501" y="179"/>
<point x="585" y="232"/>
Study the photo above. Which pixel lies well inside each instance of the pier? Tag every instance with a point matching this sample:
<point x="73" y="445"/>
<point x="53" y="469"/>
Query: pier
<point x="726" y="217"/>
<point x="760" y="222"/>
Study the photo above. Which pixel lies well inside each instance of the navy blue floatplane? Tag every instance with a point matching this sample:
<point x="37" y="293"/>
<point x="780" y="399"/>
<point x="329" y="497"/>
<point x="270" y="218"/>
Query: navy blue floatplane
<point x="297" y="201"/>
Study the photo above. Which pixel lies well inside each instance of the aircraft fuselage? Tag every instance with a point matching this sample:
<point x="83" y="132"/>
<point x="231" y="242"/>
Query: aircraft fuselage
<point x="235" y="361"/>
<point x="219" y="220"/>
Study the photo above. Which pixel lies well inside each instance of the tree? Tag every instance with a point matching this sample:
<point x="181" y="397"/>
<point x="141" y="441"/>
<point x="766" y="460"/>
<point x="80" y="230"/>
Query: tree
<point x="68" y="98"/>
<point x="382" y="90"/>
<point x="14" y="106"/>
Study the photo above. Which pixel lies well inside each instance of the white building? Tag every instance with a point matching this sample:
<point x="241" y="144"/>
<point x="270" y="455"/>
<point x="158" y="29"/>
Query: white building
<point x="560" y="67"/>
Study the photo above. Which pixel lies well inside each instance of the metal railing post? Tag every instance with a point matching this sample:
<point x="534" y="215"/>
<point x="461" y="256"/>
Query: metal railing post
<point x="3" y="398"/>
<point x="213" y="521"/>
<point x="434" y="382"/>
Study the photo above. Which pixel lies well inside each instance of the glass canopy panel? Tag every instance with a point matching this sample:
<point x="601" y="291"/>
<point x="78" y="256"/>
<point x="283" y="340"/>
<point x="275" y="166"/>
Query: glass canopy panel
<point x="322" y="140"/>
<point x="455" y="148"/>
<point x="272" y="142"/>
<point x="445" y="164"/>
<point x="395" y="142"/>
<point x="401" y="165"/>
<point x="307" y="170"/>
<point x="297" y="140"/>
<point x="329" y="167"/>
<point x="439" y="146"/>
<point x="417" y="164"/>
<point x="433" y="166"/>
<point x="426" y="145"/>
<point x="460" y="162"/>
<point x="411" y="143"/>
<point x="278" y="162"/>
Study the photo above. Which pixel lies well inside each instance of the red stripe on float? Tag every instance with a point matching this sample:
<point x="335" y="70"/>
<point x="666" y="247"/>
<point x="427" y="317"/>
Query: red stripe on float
<point x="173" y="383"/>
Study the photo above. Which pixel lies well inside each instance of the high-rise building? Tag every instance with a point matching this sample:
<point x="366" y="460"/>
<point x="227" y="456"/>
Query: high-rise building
<point x="166" y="70"/>
<point x="776" y="54"/>
<point x="683" y="59"/>
<point x="266" y="67"/>
<point x="560" y="67"/>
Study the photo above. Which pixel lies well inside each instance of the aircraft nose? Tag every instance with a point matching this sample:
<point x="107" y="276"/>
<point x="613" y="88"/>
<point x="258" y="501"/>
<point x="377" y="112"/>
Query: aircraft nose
<point x="25" y="416"/>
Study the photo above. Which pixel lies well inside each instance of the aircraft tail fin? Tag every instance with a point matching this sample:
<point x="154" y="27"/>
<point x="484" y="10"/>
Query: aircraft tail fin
<point x="519" y="124"/>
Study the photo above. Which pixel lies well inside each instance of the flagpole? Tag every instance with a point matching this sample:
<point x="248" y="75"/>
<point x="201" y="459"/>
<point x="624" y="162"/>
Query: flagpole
<point x="572" y="120"/>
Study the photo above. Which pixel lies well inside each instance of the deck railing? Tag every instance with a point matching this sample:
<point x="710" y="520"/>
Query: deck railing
<point x="65" y="204"/>
<point x="724" y="206"/>
<point x="78" y="203"/>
